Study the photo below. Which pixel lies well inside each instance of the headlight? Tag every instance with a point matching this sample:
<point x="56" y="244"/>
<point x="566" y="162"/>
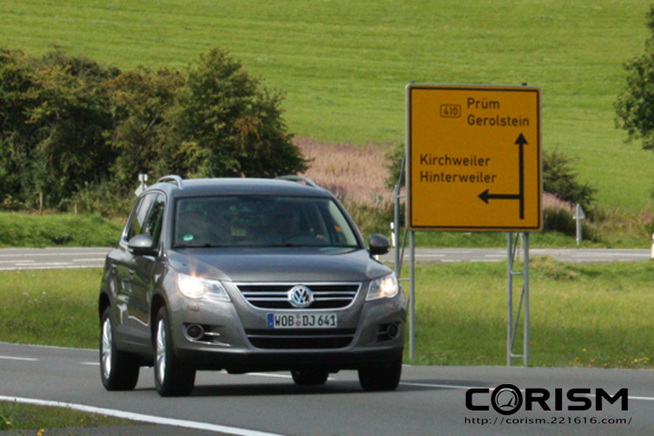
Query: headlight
<point x="384" y="287"/>
<point x="196" y="287"/>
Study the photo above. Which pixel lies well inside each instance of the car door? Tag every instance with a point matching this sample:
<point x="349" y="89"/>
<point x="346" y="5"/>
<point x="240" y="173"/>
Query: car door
<point x="144" y="276"/>
<point x="123" y="270"/>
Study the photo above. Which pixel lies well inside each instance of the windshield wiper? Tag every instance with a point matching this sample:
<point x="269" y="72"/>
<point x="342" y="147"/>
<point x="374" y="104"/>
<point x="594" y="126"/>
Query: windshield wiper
<point x="198" y="246"/>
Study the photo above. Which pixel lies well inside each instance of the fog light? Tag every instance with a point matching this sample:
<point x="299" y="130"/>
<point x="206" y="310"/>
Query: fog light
<point x="393" y="330"/>
<point x="195" y="332"/>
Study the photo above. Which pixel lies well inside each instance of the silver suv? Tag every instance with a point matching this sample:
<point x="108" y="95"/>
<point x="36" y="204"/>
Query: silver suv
<point x="247" y="275"/>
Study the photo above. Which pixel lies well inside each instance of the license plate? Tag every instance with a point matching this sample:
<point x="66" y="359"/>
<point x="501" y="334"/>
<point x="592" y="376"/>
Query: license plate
<point x="302" y="320"/>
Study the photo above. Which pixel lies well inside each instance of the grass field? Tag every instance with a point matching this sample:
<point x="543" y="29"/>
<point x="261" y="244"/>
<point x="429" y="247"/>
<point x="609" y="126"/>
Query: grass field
<point x="16" y="416"/>
<point x="31" y="230"/>
<point x="344" y="65"/>
<point x="51" y="307"/>
<point x="581" y="315"/>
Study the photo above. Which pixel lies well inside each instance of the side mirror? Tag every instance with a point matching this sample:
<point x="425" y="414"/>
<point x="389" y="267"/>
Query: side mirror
<point x="141" y="245"/>
<point x="379" y="244"/>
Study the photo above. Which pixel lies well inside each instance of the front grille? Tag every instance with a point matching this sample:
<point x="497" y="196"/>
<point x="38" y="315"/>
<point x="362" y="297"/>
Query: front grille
<point x="275" y="296"/>
<point x="301" y="338"/>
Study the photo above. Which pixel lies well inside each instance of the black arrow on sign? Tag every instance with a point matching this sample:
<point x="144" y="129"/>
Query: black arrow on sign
<point x="486" y="196"/>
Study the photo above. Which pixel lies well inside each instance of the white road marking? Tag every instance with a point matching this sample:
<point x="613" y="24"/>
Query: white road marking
<point x="269" y="375"/>
<point x="642" y="398"/>
<point x="25" y="359"/>
<point x="276" y="375"/>
<point x="66" y="266"/>
<point x="53" y="253"/>
<point x="441" y="386"/>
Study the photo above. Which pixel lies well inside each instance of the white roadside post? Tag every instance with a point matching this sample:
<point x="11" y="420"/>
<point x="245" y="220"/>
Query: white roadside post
<point x="579" y="215"/>
<point x="393" y="242"/>
<point x="142" y="179"/>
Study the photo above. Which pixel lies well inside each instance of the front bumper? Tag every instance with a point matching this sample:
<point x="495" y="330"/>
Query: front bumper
<point x="236" y="338"/>
<point x="242" y="361"/>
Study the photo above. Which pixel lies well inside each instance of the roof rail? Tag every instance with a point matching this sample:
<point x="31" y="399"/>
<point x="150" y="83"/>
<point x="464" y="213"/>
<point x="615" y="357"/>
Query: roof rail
<point x="171" y="178"/>
<point x="301" y="179"/>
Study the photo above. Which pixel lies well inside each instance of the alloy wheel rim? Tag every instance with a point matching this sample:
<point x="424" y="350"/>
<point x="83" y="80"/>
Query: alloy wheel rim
<point x="161" y="351"/>
<point x="106" y="348"/>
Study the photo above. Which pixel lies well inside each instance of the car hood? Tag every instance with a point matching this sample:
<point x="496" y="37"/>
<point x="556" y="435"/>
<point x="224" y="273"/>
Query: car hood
<point x="278" y="264"/>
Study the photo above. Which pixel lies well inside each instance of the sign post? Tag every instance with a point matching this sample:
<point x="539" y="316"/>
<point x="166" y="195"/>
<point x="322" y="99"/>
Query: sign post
<point x="474" y="164"/>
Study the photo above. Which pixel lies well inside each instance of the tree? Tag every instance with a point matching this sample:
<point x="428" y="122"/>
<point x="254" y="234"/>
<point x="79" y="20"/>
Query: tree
<point x="52" y="124"/>
<point x="73" y="115"/>
<point x="141" y="101"/>
<point x="635" y="105"/>
<point x="559" y="179"/>
<point x="76" y="131"/>
<point x="16" y="145"/>
<point x="226" y="125"/>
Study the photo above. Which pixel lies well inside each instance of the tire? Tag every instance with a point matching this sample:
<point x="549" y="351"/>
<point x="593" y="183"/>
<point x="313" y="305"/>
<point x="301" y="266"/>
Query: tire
<point x="171" y="377"/>
<point x="383" y="377"/>
<point x="119" y="370"/>
<point x="309" y="377"/>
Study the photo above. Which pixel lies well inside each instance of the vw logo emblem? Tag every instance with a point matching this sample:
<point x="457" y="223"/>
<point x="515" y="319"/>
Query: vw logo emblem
<point x="300" y="297"/>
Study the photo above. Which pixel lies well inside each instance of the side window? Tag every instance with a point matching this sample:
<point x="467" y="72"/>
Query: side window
<point x="154" y="220"/>
<point x="137" y="219"/>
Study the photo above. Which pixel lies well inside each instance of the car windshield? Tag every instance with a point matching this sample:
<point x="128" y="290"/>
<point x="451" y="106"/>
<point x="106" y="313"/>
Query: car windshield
<point x="260" y="221"/>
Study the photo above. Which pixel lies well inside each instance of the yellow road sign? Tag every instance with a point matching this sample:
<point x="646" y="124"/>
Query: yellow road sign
<point x="474" y="157"/>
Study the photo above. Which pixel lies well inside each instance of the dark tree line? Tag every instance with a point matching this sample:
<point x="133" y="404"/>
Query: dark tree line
<point x="72" y="130"/>
<point x="635" y="105"/>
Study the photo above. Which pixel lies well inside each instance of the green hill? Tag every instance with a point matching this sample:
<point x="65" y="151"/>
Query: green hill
<point x="344" y="64"/>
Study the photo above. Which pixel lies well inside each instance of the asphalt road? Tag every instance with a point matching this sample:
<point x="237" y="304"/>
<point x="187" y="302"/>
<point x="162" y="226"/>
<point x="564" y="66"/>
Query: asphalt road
<point x="51" y="258"/>
<point x="574" y="255"/>
<point x="429" y="401"/>
<point x="70" y="257"/>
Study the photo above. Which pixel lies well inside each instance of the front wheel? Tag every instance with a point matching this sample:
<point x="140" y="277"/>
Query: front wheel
<point x="172" y="378"/>
<point x="381" y="377"/>
<point x="119" y="370"/>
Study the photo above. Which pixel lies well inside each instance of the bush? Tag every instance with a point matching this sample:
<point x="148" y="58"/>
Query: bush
<point x="107" y="199"/>
<point x="53" y="117"/>
<point x="394" y="159"/>
<point x="228" y="126"/>
<point x="559" y="220"/>
<point x="355" y="174"/>
<point x="559" y="179"/>
<point x="558" y="216"/>
<point x="78" y="133"/>
<point x="141" y="104"/>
